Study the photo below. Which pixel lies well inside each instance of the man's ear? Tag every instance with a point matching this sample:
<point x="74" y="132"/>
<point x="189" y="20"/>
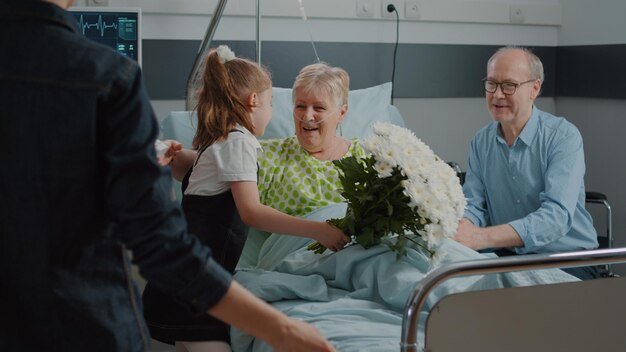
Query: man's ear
<point x="536" y="89"/>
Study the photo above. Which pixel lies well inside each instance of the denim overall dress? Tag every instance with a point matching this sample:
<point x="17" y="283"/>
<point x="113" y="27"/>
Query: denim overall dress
<point x="216" y="222"/>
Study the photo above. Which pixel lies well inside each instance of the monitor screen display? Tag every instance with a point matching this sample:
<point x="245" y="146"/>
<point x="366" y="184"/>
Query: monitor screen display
<point x="119" y="28"/>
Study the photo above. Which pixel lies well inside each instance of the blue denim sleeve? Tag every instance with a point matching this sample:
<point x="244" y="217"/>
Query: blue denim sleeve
<point x="139" y="203"/>
<point x="563" y="178"/>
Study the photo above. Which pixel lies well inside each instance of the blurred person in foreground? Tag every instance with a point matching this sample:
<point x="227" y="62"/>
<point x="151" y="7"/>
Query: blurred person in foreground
<point x="83" y="186"/>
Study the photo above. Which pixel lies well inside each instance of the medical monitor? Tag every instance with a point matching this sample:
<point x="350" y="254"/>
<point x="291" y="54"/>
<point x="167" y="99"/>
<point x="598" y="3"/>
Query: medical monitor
<point x="119" y="28"/>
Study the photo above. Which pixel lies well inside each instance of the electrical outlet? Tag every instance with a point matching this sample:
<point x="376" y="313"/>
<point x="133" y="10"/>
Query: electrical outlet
<point x="412" y="9"/>
<point x="365" y="8"/>
<point x="392" y="14"/>
<point x="100" y="3"/>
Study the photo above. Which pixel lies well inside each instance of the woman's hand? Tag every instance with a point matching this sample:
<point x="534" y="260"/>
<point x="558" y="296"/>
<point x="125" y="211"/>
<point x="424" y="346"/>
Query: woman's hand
<point x="331" y="237"/>
<point x="240" y="308"/>
<point x="299" y="336"/>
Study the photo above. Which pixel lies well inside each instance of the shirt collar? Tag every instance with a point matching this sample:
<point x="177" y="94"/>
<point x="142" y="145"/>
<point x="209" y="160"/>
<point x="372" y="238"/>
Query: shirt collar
<point x="530" y="129"/>
<point x="528" y="132"/>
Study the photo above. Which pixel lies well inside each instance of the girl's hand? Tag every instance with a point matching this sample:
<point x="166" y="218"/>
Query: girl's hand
<point x="173" y="147"/>
<point x="332" y="238"/>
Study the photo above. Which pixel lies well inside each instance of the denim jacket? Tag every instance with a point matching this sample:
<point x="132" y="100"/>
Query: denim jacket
<point x="79" y="185"/>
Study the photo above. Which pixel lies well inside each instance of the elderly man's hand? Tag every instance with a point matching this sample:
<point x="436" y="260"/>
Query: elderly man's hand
<point x="468" y="234"/>
<point x="499" y="236"/>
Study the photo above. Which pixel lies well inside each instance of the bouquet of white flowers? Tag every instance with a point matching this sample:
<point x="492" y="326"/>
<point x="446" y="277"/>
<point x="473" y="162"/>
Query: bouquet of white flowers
<point x="401" y="190"/>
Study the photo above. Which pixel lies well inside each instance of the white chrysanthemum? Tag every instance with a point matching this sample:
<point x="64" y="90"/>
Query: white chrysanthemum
<point x="381" y="129"/>
<point x="391" y="154"/>
<point x="434" y="234"/>
<point x="383" y="168"/>
<point x="225" y="54"/>
<point x="431" y="185"/>
<point x="417" y="192"/>
<point x="409" y="169"/>
<point x="449" y="225"/>
<point x="373" y="145"/>
<point x="438" y="258"/>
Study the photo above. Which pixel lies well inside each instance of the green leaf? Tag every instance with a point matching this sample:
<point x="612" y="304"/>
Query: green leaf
<point x="367" y="238"/>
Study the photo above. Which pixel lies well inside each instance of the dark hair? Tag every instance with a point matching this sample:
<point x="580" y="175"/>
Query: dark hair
<point x="222" y="98"/>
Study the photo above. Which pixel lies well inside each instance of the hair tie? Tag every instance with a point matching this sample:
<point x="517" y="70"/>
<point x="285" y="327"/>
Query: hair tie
<point x="225" y="54"/>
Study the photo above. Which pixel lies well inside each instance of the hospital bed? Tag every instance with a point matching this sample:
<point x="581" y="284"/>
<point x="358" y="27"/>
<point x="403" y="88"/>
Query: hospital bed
<point x="451" y="309"/>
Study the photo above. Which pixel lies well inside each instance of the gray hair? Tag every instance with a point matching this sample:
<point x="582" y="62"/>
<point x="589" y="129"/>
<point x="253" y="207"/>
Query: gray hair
<point x="333" y="81"/>
<point x="534" y="63"/>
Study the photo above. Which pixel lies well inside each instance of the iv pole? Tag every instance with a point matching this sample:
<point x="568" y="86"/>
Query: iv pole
<point x="206" y="42"/>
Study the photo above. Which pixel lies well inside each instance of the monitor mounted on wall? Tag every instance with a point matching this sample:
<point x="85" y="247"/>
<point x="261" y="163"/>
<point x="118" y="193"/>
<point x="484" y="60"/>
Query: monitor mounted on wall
<point x="119" y="28"/>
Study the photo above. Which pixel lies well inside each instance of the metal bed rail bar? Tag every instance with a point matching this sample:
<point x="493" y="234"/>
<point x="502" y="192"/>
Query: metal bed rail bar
<point x="609" y="215"/>
<point x="417" y="300"/>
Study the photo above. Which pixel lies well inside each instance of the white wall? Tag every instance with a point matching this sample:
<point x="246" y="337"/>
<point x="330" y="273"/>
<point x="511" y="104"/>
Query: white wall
<point x="595" y="22"/>
<point x="602" y="122"/>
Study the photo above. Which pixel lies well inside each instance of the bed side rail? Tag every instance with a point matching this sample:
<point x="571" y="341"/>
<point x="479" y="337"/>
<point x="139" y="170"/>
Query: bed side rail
<point x="417" y="300"/>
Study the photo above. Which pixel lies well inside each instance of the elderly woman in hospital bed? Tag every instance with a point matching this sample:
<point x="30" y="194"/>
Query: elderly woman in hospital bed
<point x="355" y="297"/>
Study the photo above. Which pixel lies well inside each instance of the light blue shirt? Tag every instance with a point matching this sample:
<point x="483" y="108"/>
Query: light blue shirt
<point x="536" y="185"/>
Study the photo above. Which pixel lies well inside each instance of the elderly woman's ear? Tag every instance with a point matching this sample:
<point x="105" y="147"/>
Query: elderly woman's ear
<point x="342" y="112"/>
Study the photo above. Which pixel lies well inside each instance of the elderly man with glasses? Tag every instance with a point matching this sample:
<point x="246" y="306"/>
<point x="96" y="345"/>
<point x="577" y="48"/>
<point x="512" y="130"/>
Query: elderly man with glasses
<point x="524" y="184"/>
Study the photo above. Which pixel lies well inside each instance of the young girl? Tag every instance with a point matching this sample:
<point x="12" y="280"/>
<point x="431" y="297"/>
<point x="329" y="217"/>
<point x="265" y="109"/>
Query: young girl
<point x="221" y="198"/>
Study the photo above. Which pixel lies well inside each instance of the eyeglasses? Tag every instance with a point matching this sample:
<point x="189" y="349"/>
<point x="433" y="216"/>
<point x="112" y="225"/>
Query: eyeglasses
<point x="508" y="88"/>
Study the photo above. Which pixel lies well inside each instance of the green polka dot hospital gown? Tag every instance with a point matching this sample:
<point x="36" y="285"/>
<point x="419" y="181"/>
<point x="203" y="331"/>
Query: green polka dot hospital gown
<point x="293" y="181"/>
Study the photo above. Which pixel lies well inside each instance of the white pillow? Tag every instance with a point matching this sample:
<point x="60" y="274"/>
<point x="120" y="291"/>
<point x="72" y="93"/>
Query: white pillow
<point x="364" y="107"/>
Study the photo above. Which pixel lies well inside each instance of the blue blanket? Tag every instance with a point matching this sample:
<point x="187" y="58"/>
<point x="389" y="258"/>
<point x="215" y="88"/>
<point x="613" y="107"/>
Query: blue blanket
<point x="355" y="297"/>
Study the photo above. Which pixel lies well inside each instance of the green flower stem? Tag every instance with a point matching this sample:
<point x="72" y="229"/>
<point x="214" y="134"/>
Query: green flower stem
<point x="316" y="247"/>
<point x="381" y="199"/>
<point x="431" y="253"/>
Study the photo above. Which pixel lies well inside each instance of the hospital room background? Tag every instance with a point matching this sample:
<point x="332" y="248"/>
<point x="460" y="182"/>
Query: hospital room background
<point x="440" y="60"/>
<point x="443" y="46"/>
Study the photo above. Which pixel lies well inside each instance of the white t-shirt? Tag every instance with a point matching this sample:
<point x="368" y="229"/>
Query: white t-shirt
<point x="225" y="161"/>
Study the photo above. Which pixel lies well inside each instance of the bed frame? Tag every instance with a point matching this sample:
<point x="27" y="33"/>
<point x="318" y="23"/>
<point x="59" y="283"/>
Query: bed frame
<point x="575" y="316"/>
